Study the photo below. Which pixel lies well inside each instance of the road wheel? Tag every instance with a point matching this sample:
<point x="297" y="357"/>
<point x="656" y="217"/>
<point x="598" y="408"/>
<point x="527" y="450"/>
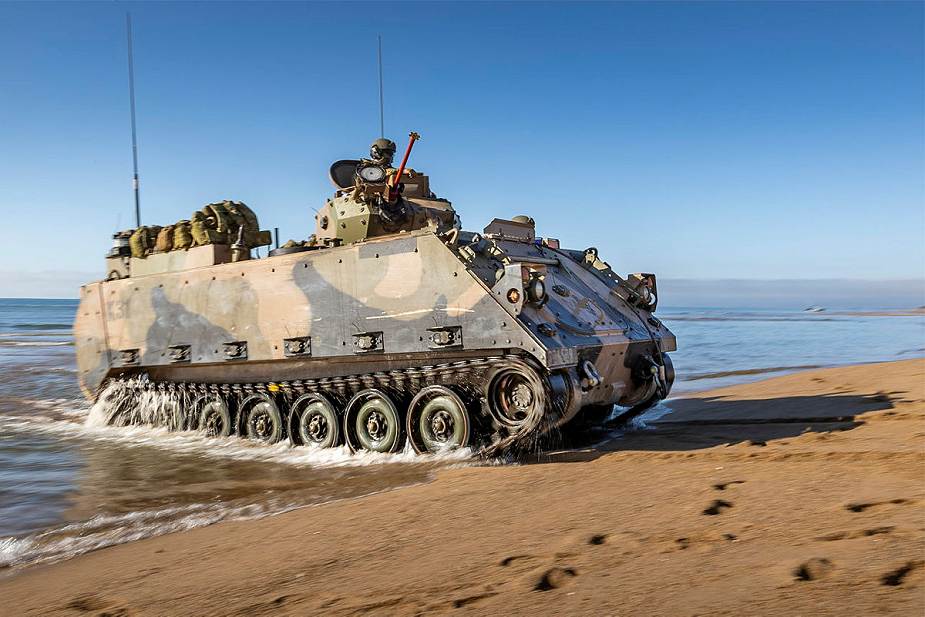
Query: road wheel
<point x="314" y="422"/>
<point x="262" y="419"/>
<point x="214" y="417"/>
<point x="438" y="420"/>
<point x="372" y="422"/>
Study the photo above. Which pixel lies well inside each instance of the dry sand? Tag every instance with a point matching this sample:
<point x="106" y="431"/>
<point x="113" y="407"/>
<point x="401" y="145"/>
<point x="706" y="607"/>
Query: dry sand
<point x="800" y="495"/>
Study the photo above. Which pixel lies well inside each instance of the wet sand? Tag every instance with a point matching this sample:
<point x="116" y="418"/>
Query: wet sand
<point x="803" y="494"/>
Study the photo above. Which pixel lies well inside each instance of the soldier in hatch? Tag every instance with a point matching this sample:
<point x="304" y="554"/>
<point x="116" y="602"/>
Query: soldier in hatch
<point x="382" y="151"/>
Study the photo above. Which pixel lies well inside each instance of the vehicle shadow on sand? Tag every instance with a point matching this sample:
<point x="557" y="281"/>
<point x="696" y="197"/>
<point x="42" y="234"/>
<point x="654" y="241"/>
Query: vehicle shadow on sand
<point x="700" y="423"/>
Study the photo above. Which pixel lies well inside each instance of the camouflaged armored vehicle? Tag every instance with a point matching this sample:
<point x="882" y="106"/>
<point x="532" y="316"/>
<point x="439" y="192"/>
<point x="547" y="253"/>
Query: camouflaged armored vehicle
<point x="389" y="324"/>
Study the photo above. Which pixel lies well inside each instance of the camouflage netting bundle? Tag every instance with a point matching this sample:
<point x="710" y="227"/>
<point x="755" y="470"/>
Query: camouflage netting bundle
<point x="217" y="223"/>
<point x="182" y="236"/>
<point x="144" y="240"/>
<point x="200" y="230"/>
<point x="164" y="240"/>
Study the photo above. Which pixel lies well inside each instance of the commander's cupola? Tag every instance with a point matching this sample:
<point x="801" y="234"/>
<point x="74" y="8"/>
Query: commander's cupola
<point x="373" y="198"/>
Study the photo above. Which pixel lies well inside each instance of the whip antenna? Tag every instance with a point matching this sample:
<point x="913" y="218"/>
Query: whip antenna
<point x="381" y="106"/>
<point x="131" y="96"/>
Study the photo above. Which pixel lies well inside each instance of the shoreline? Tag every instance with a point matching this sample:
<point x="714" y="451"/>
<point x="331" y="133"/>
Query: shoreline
<point x="918" y="311"/>
<point x="821" y="490"/>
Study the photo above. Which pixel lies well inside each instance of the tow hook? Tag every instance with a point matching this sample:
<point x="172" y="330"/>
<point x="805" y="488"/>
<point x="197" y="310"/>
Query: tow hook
<point x="590" y="378"/>
<point x="647" y="369"/>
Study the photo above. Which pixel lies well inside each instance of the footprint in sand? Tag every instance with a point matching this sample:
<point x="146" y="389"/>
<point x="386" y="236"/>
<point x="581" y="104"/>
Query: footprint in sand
<point x="704" y="541"/>
<point x="858" y="533"/>
<point x="813" y="569"/>
<point x="88" y="603"/>
<point x="863" y="506"/>
<point x="897" y="577"/>
<point x="555" y="578"/>
<point x="598" y="539"/>
<point x="717" y="507"/>
<point x="511" y="559"/>
<point x="473" y="600"/>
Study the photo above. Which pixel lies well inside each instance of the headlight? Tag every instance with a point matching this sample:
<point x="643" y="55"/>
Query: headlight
<point x="536" y="290"/>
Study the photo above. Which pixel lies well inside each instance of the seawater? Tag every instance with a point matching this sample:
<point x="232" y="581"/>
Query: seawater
<point x="69" y="485"/>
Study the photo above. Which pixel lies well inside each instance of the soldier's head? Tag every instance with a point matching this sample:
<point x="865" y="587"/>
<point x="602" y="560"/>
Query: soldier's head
<point x="382" y="151"/>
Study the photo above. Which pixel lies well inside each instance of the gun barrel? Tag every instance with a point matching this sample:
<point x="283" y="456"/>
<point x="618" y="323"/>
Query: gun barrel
<point x="412" y="137"/>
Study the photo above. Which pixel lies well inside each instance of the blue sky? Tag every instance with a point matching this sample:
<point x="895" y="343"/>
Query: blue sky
<point x="718" y="140"/>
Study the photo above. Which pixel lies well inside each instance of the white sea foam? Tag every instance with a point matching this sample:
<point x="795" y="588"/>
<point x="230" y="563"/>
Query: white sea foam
<point x="234" y="448"/>
<point x="69" y="540"/>
<point x="73" y="420"/>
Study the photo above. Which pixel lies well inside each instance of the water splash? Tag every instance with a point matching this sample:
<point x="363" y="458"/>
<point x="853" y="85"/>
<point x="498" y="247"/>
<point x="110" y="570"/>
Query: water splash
<point x="131" y="413"/>
<point x="134" y="402"/>
<point x="653" y="414"/>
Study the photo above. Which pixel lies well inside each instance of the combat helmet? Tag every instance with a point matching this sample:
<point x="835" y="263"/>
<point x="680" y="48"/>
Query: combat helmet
<point x="382" y="151"/>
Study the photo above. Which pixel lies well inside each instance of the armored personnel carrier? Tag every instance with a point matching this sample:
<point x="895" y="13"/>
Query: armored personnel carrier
<point x="389" y="324"/>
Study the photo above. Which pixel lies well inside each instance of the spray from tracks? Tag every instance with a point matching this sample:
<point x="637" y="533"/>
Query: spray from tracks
<point x="138" y="400"/>
<point x="132" y="412"/>
<point x="128" y="402"/>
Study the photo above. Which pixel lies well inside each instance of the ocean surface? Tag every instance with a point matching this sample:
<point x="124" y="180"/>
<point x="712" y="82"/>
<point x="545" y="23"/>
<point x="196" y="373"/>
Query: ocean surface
<point x="68" y="486"/>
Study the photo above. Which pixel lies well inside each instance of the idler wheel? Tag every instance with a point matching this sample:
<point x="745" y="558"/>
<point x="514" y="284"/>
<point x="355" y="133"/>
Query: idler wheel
<point x="262" y="420"/>
<point x="516" y="397"/>
<point x="214" y="417"/>
<point x="372" y="422"/>
<point x="314" y="422"/>
<point x="437" y="420"/>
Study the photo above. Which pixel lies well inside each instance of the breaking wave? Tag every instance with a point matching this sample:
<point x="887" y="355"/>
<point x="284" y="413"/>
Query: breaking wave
<point x="101" y="531"/>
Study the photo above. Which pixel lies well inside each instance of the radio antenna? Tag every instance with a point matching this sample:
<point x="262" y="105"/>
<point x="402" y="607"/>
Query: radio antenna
<point x="131" y="96"/>
<point x="381" y="106"/>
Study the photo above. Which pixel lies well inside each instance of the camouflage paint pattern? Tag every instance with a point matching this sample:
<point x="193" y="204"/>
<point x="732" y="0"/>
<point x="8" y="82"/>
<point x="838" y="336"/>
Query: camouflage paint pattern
<point x="400" y="287"/>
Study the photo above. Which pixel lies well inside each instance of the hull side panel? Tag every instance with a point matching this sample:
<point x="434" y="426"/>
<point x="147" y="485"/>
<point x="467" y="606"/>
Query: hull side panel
<point x="398" y="289"/>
